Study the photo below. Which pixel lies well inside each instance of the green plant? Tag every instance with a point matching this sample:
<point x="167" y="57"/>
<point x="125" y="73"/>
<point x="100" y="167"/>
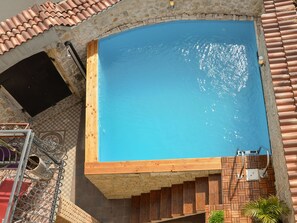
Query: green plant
<point x="216" y="217"/>
<point x="266" y="210"/>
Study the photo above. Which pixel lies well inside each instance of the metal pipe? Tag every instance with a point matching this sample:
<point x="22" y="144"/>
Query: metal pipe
<point x="240" y="175"/>
<point x="72" y="52"/>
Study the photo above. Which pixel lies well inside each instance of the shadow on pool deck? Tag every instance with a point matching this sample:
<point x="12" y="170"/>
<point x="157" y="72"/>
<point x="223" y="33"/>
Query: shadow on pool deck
<point x="88" y="197"/>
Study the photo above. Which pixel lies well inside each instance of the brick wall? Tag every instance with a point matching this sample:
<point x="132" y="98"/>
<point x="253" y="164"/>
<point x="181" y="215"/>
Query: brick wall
<point x="70" y="213"/>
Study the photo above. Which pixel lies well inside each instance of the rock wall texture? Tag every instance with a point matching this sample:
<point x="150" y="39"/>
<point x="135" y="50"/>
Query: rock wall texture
<point x="122" y="16"/>
<point x="129" y="14"/>
<point x="9" y="111"/>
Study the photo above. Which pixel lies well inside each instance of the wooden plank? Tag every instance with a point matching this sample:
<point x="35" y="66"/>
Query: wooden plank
<point x="153" y="166"/>
<point x="202" y="161"/>
<point x="165" y="203"/>
<point x="91" y="134"/>
<point x="201" y="195"/>
<point x="144" y="215"/>
<point x="189" y="197"/>
<point x="155" y="196"/>
<point x="135" y="209"/>
<point x="177" y="200"/>
<point x="215" y="189"/>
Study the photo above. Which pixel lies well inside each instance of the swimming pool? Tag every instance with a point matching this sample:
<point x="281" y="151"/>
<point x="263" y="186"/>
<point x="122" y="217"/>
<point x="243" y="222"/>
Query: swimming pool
<point x="183" y="89"/>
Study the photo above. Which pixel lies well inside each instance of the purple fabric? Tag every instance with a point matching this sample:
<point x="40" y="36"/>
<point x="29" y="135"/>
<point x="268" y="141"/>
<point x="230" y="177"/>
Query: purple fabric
<point x="5" y="154"/>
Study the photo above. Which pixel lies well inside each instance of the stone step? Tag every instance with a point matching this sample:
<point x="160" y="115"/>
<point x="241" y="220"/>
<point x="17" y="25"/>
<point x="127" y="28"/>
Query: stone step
<point x="177" y="200"/>
<point x="189" y="203"/>
<point x="202" y="193"/>
<point x="155" y="202"/>
<point x="165" y="203"/>
<point x="214" y="185"/>
<point x="135" y="209"/>
<point x="144" y="214"/>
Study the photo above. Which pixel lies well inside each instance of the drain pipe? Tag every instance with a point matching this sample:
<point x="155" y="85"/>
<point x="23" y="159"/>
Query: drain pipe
<point x="73" y="54"/>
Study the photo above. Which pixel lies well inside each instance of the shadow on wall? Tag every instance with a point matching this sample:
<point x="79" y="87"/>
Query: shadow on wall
<point x="199" y="218"/>
<point x="88" y="197"/>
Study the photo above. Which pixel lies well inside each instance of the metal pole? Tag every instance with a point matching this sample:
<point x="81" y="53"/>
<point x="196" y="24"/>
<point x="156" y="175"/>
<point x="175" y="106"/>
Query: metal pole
<point x="19" y="173"/>
<point x="75" y="57"/>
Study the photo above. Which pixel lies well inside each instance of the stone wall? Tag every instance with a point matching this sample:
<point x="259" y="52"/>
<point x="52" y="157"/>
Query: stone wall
<point x="9" y="111"/>
<point x="118" y="186"/>
<point x="133" y="13"/>
<point x="124" y="15"/>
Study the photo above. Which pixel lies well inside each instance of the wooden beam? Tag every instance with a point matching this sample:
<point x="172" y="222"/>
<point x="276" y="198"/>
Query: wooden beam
<point x="92" y="136"/>
<point x="153" y="166"/>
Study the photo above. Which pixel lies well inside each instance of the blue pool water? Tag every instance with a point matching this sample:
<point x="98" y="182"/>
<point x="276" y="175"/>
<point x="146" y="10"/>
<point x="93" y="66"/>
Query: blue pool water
<point x="185" y="89"/>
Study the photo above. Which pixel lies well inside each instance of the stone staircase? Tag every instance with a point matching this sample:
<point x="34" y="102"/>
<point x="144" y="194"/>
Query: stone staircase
<point x="179" y="200"/>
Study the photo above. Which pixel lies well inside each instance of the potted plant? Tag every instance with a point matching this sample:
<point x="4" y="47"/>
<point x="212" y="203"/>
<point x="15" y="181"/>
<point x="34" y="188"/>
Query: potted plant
<point x="216" y="217"/>
<point x="266" y="210"/>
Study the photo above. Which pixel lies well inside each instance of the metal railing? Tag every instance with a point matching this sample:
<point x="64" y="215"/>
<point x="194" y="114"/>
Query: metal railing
<point x="257" y="152"/>
<point x="264" y="171"/>
<point x="40" y="201"/>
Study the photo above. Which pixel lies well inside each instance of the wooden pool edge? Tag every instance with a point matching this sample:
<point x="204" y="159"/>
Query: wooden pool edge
<point x="153" y="166"/>
<point x="91" y="129"/>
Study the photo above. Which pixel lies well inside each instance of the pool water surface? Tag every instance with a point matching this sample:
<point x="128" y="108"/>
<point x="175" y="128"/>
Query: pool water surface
<point x="183" y="89"/>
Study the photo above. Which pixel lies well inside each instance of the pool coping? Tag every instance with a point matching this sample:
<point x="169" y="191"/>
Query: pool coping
<point x="92" y="164"/>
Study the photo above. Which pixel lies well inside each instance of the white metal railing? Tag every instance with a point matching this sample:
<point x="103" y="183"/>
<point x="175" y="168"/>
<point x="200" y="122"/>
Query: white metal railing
<point x="244" y="153"/>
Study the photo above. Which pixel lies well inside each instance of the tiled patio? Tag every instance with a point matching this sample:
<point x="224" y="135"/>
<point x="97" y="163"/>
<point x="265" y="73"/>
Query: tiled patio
<point x="238" y="192"/>
<point x="64" y="123"/>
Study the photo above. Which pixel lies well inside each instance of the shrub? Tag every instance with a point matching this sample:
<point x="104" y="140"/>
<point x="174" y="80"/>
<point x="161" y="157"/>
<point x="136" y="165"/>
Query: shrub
<point x="216" y="217"/>
<point x="266" y="210"/>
